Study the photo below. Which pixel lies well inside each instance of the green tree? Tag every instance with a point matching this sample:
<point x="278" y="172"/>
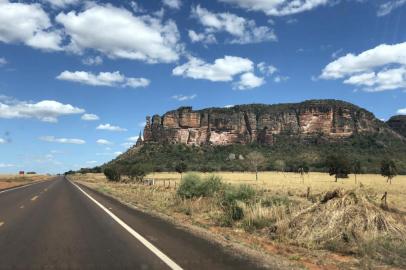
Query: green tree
<point x="139" y="171"/>
<point x="181" y="168"/>
<point x="255" y="159"/>
<point x="112" y="174"/>
<point x="338" y="166"/>
<point x="389" y="170"/>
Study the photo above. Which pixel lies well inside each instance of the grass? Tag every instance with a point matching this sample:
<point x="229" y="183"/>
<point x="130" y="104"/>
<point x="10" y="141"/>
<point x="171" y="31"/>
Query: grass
<point x="282" y="209"/>
<point x="12" y="180"/>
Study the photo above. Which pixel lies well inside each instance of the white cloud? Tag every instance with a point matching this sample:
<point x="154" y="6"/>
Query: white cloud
<point x="378" y="69"/>
<point x="103" y="142"/>
<point x="3" y="61"/>
<point x="91" y="162"/>
<point x="28" y="24"/>
<point x="127" y="144"/>
<point x="280" y="78"/>
<point x="223" y="69"/>
<point x="229" y="106"/>
<point x="6" y="165"/>
<point x="183" y="97"/>
<point x="248" y="81"/>
<point x="62" y="3"/>
<point x="118" y="153"/>
<point x="402" y="111"/>
<point x="112" y="79"/>
<point x="46" y="110"/>
<point x="110" y="127"/>
<point x="133" y="139"/>
<point x="118" y="33"/>
<point x="389" y="6"/>
<point x="267" y="69"/>
<point x="335" y="54"/>
<point x="52" y="139"/>
<point x="279" y="7"/>
<point x="89" y="117"/>
<point x="205" y="38"/>
<point x="93" y="61"/>
<point x="2" y="141"/>
<point x="243" y="31"/>
<point x="175" y="4"/>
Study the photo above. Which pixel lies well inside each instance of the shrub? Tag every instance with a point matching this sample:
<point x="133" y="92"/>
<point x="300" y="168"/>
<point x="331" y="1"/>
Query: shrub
<point x="112" y="174"/>
<point x="139" y="171"/>
<point x="193" y="186"/>
<point x="210" y="185"/>
<point x="243" y="193"/>
<point x="190" y="186"/>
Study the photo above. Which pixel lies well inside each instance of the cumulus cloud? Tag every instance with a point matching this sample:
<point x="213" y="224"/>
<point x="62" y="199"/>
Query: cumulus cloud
<point x="103" y="142"/>
<point x="279" y="7"/>
<point x="389" y="6"/>
<point x="243" y="31"/>
<point x="90" y="117"/>
<point x="248" y="81"/>
<point x="378" y="69"/>
<point x="118" y="33"/>
<point x="62" y="3"/>
<point x="205" y="38"/>
<point x="28" y="24"/>
<point x="183" y="97"/>
<point x="112" y="79"/>
<point x="93" y="61"/>
<point x="46" y="110"/>
<point x="267" y="69"/>
<point x="3" y="61"/>
<point x="222" y="70"/>
<point x="402" y="111"/>
<point x="53" y="139"/>
<point x="175" y="4"/>
<point x="133" y="139"/>
<point x="110" y="127"/>
<point x="2" y="141"/>
<point x="6" y="165"/>
<point x="280" y="78"/>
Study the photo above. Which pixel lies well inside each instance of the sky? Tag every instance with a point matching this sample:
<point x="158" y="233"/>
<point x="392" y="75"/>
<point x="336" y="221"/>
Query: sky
<point x="78" y="78"/>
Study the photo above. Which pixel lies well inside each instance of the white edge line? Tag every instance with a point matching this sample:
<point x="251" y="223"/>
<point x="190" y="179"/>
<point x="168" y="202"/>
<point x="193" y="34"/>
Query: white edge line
<point x="23" y="186"/>
<point x="168" y="261"/>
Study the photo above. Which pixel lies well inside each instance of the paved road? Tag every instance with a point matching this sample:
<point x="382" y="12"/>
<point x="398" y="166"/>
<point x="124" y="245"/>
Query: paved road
<point x="54" y="225"/>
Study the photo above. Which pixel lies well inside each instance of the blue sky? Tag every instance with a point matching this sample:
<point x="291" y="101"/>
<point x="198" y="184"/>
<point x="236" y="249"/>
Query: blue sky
<point x="77" y="81"/>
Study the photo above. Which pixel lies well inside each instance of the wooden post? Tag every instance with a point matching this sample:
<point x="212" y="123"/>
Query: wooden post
<point x="308" y="193"/>
<point x="384" y="199"/>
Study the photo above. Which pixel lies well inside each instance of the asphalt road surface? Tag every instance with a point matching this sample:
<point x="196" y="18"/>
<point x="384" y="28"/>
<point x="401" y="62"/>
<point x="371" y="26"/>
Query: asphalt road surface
<point x="57" y="225"/>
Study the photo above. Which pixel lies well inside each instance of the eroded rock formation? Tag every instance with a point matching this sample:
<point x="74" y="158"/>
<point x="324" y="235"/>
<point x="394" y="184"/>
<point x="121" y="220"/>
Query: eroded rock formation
<point x="260" y="123"/>
<point x="398" y="124"/>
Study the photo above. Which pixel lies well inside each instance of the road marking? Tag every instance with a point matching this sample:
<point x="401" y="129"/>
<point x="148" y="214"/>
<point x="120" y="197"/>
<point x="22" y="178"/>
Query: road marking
<point x="11" y="189"/>
<point x="1" y="223"/>
<point x="22" y="206"/>
<point x="34" y="198"/>
<point x="168" y="261"/>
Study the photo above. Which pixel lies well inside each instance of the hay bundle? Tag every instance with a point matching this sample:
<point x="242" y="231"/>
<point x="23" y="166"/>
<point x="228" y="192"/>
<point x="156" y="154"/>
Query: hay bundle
<point x="342" y="221"/>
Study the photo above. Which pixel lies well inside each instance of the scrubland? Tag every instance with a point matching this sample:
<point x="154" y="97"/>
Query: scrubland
<point x="12" y="180"/>
<point x="310" y="219"/>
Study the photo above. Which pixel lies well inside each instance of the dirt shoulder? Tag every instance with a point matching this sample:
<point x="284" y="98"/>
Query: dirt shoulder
<point x="199" y="217"/>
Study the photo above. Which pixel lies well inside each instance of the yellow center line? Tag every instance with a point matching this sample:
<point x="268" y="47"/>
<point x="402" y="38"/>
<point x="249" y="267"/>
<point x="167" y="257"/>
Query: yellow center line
<point x="34" y="198"/>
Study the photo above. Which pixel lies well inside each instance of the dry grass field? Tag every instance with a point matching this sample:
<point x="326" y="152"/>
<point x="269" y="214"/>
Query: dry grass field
<point x="12" y="180"/>
<point x="293" y="184"/>
<point x="284" y="218"/>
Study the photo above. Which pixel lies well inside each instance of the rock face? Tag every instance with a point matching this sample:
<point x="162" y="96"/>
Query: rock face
<point x="398" y="124"/>
<point x="260" y="123"/>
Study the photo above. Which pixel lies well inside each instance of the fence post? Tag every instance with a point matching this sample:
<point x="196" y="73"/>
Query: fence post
<point x="384" y="199"/>
<point x="308" y="193"/>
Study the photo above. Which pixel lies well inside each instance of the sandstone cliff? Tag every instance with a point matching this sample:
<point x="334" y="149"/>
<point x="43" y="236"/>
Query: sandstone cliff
<point x="261" y="123"/>
<point x="398" y="124"/>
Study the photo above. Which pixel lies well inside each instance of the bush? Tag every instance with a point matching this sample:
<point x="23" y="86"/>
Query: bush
<point x="243" y="193"/>
<point x="193" y="186"/>
<point x="112" y="174"/>
<point x="210" y="185"/>
<point x="139" y="171"/>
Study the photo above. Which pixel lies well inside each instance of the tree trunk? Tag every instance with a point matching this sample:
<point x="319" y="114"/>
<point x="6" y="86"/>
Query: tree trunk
<point x="336" y="178"/>
<point x="355" y="178"/>
<point x="256" y="174"/>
